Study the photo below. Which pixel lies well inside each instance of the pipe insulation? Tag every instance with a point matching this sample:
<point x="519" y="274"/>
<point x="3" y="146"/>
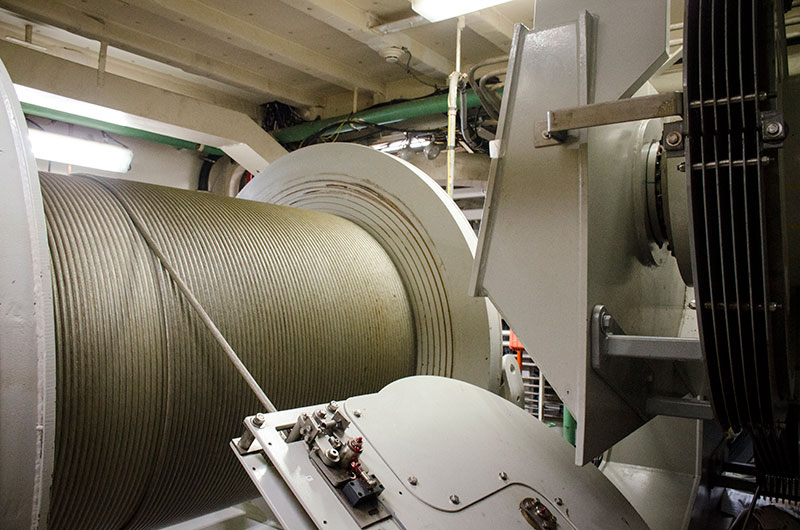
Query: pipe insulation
<point x="146" y="400"/>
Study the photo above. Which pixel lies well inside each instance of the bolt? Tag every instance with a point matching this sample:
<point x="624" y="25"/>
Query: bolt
<point x="682" y="167"/>
<point x="357" y="413"/>
<point x="692" y="304"/>
<point x="333" y="454"/>
<point x="546" y="135"/>
<point x="332" y="406"/>
<point x="606" y="321"/>
<point x="674" y="139"/>
<point x="773" y="306"/>
<point x="503" y="475"/>
<point x="454" y="499"/>
<point x="320" y="414"/>
<point x="559" y="501"/>
<point x="412" y="480"/>
<point x="259" y="419"/>
<point x="773" y="129"/>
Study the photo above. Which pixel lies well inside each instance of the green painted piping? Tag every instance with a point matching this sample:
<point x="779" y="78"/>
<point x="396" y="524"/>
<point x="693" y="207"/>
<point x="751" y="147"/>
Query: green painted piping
<point x="378" y="116"/>
<point x="568" y="426"/>
<point x="66" y="117"/>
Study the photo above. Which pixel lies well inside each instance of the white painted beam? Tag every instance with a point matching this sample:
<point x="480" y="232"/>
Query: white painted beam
<point x="165" y="76"/>
<point x="125" y="38"/>
<point x="132" y="104"/>
<point x="360" y="25"/>
<point x="492" y="26"/>
<point x="222" y="26"/>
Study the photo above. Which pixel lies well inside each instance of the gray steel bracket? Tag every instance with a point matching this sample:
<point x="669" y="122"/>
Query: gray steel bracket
<point x="630" y="364"/>
<point x="553" y="130"/>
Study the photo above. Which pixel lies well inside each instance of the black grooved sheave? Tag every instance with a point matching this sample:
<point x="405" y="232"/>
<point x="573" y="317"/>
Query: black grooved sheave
<point x="734" y="65"/>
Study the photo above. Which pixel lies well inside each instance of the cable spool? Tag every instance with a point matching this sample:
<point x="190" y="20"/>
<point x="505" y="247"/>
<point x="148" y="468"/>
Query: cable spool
<point x="149" y="460"/>
<point x="312" y="304"/>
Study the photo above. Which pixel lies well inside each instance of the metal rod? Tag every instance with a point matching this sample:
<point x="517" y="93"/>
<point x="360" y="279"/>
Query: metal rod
<point x="452" y="109"/>
<point x="654" y="348"/>
<point x="620" y="111"/>
<point x="553" y="130"/>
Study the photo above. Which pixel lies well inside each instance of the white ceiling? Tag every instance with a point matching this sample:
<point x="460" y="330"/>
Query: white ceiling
<point x="301" y="52"/>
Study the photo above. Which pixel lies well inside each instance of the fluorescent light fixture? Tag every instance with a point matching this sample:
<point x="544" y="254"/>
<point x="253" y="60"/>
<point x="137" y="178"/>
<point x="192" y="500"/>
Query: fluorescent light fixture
<point x="416" y="142"/>
<point x="80" y="152"/>
<point x="436" y="10"/>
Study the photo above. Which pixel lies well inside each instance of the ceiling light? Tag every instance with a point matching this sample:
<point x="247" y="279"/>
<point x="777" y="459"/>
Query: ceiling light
<point x="80" y="152"/>
<point x="436" y="10"/>
<point x="416" y="142"/>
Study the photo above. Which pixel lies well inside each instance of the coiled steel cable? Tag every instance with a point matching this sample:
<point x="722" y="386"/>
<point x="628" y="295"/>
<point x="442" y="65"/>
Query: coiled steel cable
<point x="146" y="402"/>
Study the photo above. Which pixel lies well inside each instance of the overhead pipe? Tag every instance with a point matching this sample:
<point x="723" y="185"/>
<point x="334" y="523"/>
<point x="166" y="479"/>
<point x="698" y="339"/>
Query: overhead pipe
<point x="452" y="108"/>
<point x="378" y="115"/>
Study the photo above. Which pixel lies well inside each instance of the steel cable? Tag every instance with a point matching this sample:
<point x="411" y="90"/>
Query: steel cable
<point x="146" y="401"/>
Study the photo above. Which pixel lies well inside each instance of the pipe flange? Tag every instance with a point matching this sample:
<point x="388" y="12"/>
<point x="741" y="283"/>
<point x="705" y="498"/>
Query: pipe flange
<point x="421" y="228"/>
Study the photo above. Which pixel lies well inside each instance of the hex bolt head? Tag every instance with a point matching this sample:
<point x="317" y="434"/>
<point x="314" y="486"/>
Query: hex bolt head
<point x="454" y="499"/>
<point x="357" y="413"/>
<point x="259" y="419"/>
<point x="773" y="129"/>
<point x="503" y="475"/>
<point x="674" y="139"/>
<point x="412" y="480"/>
<point x="320" y="414"/>
<point x="332" y="406"/>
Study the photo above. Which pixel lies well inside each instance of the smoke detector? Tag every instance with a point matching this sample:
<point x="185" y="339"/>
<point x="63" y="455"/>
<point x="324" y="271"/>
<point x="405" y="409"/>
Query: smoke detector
<point x="392" y="54"/>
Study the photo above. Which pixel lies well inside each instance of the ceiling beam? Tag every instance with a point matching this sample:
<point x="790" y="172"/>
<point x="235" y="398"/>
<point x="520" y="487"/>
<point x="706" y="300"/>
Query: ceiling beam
<point x="361" y="26"/>
<point x="140" y="106"/>
<point x="180" y="82"/>
<point x="492" y="26"/>
<point x="224" y="27"/>
<point x="125" y="38"/>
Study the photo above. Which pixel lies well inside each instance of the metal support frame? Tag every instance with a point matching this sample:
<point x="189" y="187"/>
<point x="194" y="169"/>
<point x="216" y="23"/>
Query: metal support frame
<point x="554" y="130"/>
<point x="631" y="365"/>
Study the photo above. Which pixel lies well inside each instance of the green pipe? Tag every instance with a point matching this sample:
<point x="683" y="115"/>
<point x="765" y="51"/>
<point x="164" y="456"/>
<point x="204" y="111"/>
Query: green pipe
<point x="568" y="426"/>
<point x="378" y="116"/>
<point x="66" y="117"/>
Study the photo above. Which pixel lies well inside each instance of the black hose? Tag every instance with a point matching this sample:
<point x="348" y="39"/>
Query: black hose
<point x="466" y="133"/>
<point x="494" y="101"/>
<point x="484" y="99"/>
<point x="205" y="171"/>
